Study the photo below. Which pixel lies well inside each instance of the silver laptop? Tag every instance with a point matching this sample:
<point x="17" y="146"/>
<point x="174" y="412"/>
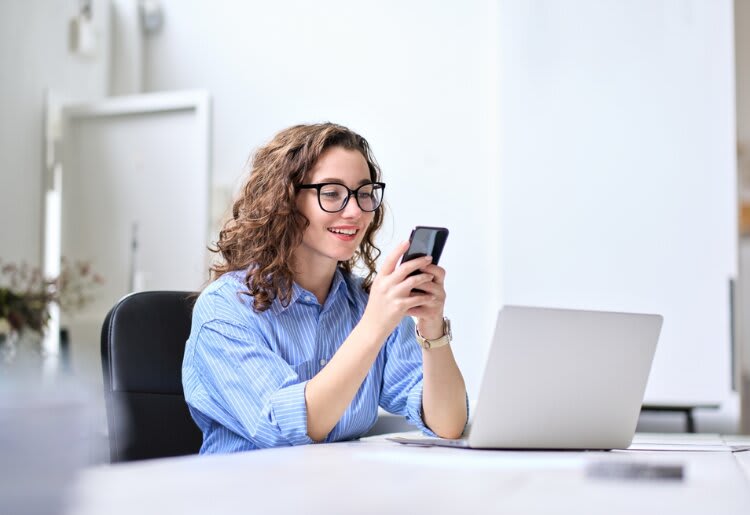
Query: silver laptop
<point x="561" y="379"/>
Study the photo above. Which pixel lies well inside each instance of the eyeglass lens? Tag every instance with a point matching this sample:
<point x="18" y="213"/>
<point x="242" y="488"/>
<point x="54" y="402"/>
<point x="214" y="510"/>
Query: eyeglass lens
<point x="334" y="197"/>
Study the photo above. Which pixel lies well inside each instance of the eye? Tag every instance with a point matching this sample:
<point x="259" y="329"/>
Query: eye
<point x="331" y="193"/>
<point x="366" y="192"/>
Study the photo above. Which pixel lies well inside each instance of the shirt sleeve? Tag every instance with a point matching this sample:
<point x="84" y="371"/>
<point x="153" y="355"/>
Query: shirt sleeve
<point x="401" y="392"/>
<point x="249" y="389"/>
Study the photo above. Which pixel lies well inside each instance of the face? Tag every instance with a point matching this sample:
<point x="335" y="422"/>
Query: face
<point x="333" y="237"/>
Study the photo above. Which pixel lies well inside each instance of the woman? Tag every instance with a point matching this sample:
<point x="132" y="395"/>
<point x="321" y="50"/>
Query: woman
<point x="288" y="346"/>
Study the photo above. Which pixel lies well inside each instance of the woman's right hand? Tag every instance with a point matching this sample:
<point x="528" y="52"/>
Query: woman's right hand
<point x="391" y="294"/>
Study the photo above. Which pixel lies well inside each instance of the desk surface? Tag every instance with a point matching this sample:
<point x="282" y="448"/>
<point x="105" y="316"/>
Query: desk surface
<point x="377" y="476"/>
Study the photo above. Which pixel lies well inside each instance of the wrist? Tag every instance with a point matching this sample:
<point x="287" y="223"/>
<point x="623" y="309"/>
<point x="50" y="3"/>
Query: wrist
<point x="434" y="343"/>
<point x="373" y="326"/>
<point x="430" y="328"/>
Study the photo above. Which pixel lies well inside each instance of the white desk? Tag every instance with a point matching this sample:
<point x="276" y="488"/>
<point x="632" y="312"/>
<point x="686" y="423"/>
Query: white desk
<point x="380" y="477"/>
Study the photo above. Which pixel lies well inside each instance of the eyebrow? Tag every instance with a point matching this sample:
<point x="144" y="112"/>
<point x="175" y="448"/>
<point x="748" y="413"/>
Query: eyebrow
<point x="339" y="181"/>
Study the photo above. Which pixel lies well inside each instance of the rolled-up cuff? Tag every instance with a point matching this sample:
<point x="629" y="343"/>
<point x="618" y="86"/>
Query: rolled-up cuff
<point x="414" y="409"/>
<point x="289" y="411"/>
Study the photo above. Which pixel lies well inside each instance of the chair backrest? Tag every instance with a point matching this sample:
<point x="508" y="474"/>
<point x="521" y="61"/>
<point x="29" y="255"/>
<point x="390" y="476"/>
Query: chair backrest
<point x="143" y="342"/>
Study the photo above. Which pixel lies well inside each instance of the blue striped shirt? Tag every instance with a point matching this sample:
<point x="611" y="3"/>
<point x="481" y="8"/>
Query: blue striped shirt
<point x="244" y="373"/>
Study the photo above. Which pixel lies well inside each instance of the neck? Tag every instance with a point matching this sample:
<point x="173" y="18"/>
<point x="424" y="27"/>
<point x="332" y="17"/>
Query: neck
<point x="316" y="279"/>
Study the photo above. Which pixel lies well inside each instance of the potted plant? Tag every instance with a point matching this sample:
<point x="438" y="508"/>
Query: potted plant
<point x="26" y="296"/>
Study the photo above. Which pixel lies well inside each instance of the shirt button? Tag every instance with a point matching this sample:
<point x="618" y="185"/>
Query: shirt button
<point x="323" y="362"/>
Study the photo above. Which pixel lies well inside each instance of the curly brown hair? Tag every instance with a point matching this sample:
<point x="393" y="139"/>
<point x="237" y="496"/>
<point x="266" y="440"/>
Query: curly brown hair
<point x="266" y="227"/>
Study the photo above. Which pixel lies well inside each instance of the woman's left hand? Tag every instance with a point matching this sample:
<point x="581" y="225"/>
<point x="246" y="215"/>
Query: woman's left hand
<point x="430" y="314"/>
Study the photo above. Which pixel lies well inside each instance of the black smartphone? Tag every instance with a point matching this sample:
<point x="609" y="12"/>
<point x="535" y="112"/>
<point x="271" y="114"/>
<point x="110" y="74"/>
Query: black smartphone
<point x="426" y="241"/>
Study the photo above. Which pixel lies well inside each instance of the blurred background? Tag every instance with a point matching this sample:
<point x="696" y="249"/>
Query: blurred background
<point x="585" y="154"/>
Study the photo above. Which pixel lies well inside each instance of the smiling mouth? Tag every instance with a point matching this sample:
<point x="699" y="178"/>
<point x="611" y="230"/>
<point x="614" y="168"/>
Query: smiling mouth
<point x="345" y="232"/>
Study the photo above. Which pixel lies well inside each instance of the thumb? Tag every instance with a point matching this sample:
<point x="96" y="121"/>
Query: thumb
<point x="390" y="262"/>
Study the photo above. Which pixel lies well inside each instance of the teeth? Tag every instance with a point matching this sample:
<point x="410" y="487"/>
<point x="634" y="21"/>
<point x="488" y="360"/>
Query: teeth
<point x="348" y="232"/>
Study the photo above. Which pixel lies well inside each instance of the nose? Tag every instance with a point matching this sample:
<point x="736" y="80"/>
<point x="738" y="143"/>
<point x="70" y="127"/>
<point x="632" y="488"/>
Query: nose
<point x="352" y="209"/>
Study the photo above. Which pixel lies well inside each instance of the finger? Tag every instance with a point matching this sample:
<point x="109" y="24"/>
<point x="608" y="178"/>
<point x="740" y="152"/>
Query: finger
<point x="406" y="268"/>
<point x="429" y="285"/>
<point x="389" y="263"/>
<point x="415" y="281"/>
<point x="413" y="289"/>
<point x="420" y="302"/>
<point x="416" y="301"/>
<point x="433" y="289"/>
<point x="437" y="271"/>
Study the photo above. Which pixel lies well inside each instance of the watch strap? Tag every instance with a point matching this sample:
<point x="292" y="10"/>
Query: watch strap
<point x="437" y="342"/>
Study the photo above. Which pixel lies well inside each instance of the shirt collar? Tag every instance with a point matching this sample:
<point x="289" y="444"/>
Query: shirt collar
<point x="299" y="294"/>
<point x="339" y="283"/>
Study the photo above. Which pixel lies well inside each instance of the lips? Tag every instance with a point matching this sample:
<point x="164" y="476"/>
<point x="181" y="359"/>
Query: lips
<point x="344" y="233"/>
<point x="348" y="232"/>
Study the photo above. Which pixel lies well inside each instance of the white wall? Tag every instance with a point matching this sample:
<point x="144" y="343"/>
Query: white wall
<point x="34" y="57"/>
<point x="619" y="179"/>
<point x="416" y="78"/>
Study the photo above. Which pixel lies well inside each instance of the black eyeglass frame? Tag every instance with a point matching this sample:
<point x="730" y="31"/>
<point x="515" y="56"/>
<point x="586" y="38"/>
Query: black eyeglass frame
<point x="351" y="192"/>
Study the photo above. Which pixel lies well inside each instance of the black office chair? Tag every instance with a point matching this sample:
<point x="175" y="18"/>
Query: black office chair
<point x="143" y="341"/>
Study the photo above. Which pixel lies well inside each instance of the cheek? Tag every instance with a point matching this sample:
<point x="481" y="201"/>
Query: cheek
<point x="319" y="220"/>
<point x="310" y="210"/>
<point x="304" y="206"/>
<point x="368" y="223"/>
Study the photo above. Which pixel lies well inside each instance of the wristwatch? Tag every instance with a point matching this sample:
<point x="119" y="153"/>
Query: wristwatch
<point x="437" y="342"/>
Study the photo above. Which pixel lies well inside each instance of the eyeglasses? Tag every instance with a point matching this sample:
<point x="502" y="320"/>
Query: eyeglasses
<point x="333" y="197"/>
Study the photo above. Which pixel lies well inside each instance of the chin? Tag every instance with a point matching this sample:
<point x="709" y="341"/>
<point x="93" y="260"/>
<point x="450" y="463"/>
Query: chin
<point x="343" y="257"/>
<point x="344" y="252"/>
